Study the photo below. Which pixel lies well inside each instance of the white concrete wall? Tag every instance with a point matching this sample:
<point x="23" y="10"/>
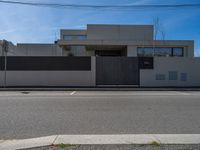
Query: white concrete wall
<point x="188" y="45"/>
<point x="50" y="78"/>
<point x="120" y="32"/>
<point x="162" y="65"/>
<point x="131" y="51"/>
<point x="64" y="32"/>
<point x="36" y="50"/>
<point x="78" y="51"/>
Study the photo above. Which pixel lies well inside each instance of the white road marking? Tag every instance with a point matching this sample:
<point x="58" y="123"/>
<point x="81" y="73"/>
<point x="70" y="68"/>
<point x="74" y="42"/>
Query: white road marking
<point x="182" y="93"/>
<point x="102" y="139"/>
<point x="137" y="93"/>
<point x="72" y="93"/>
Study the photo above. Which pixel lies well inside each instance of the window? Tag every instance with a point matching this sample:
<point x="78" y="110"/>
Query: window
<point x="108" y="53"/>
<point x="160" y="51"/>
<point x="183" y="76"/>
<point x="173" y="75"/>
<point x="160" y="77"/>
<point x="178" y="52"/>
<point x="75" y="37"/>
<point x="145" y="51"/>
<point x="146" y="62"/>
<point x="67" y="37"/>
<point x="82" y="37"/>
<point x="163" y="51"/>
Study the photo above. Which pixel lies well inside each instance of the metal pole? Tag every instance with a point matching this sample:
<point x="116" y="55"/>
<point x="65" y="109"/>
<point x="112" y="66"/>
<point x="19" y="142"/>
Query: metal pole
<point x="5" y="49"/>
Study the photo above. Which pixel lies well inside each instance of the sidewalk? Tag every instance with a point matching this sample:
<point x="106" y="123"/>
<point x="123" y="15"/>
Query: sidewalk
<point x="102" y="140"/>
<point x="101" y="89"/>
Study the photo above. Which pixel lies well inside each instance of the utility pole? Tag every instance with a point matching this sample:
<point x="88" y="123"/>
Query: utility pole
<point x="5" y="51"/>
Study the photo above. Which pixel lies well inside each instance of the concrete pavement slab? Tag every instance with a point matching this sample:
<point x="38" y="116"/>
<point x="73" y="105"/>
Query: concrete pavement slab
<point x="27" y="143"/>
<point x="178" y="138"/>
<point x="105" y="139"/>
<point x="123" y="139"/>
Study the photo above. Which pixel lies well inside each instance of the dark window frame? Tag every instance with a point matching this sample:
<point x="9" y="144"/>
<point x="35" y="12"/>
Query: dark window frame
<point x="178" y="55"/>
<point x="146" y="63"/>
<point x="154" y="49"/>
<point x="74" y="37"/>
<point x="108" y="53"/>
<point x="171" y="51"/>
<point x="2" y="62"/>
<point x="145" y="55"/>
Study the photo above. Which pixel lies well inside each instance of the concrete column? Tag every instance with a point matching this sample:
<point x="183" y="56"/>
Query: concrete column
<point x="2" y="78"/>
<point x="90" y="53"/>
<point x="93" y="69"/>
<point x="1" y="51"/>
<point x="191" y="50"/>
<point x="131" y="51"/>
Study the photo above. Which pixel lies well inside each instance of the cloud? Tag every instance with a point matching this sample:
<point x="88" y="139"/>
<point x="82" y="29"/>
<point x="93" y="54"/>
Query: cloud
<point x="8" y="31"/>
<point x="139" y="2"/>
<point x="197" y="52"/>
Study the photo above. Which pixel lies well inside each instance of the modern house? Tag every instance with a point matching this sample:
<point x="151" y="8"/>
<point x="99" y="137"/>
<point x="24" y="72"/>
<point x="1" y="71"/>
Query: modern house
<point x="102" y="55"/>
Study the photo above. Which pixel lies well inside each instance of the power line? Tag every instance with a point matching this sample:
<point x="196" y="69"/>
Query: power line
<point x="62" y="5"/>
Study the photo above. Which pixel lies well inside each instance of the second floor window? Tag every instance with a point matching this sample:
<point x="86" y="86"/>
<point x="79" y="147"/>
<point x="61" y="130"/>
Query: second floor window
<point x="178" y="52"/>
<point x="160" y="51"/>
<point x="75" y="37"/>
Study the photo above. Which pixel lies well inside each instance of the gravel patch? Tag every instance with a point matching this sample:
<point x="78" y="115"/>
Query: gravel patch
<point x="121" y="147"/>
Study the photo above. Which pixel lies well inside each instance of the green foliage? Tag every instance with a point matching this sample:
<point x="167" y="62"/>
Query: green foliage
<point x="62" y="145"/>
<point x="154" y="143"/>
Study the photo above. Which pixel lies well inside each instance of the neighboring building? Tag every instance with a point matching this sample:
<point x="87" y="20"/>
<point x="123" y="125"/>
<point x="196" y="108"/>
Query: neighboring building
<point x="37" y="50"/>
<point x="104" y="55"/>
<point x="10" y="47"/>
<point x="28" y="49"/>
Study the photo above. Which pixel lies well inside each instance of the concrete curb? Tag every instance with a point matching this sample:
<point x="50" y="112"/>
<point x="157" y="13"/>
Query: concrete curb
<point x="103" y="89"/>
<point x="27" y="143"/>
<point x="101" y="139"/>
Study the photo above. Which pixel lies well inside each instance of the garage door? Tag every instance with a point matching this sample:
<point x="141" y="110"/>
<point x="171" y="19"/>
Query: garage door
<point x="117" y="71"/>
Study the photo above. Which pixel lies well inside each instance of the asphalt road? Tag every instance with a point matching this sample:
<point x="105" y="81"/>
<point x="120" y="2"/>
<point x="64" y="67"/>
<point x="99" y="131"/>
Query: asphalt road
<point x="38" y="114"/>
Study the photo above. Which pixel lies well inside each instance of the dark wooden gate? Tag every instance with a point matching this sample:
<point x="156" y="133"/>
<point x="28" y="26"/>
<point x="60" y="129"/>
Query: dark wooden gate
<point x="117" y="71"/>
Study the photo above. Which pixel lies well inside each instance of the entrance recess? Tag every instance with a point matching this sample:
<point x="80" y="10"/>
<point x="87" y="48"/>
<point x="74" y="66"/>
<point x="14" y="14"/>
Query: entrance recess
<point x="117" y="71"/>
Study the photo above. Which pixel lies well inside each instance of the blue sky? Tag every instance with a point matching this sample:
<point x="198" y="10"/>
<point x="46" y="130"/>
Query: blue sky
<point x="26" y="24"/>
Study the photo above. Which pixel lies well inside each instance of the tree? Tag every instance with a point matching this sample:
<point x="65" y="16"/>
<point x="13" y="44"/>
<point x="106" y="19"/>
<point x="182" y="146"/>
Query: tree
<point x="158" y="29"/>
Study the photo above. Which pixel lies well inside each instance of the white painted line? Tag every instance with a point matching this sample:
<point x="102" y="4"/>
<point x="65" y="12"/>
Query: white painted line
<point x="72" y="93"/>
<point x="102" y="139"/>
<point x="32" y="94"/>
<point x="178" y="94"/>
<point x="182" y="93"/>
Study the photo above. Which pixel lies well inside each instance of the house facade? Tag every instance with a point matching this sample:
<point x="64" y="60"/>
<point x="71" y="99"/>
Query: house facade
<point x="103" y="55"/>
